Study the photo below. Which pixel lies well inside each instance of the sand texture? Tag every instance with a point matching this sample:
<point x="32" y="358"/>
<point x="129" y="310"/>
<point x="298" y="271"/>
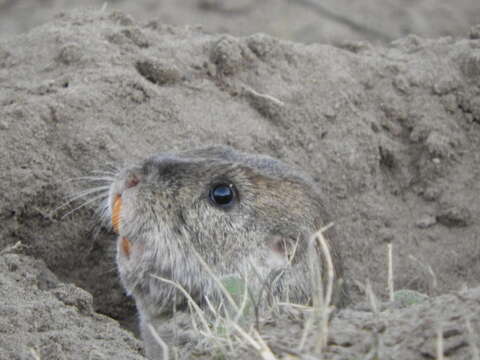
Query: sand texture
<point x="46" y="319"/>
<point x="391" y="134"/>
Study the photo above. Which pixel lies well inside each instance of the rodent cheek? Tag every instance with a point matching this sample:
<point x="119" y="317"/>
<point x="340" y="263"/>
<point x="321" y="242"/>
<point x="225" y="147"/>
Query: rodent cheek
<point x="275" y="260"/>
<point x="128" y="249"/>
<point x="125" y="246"/>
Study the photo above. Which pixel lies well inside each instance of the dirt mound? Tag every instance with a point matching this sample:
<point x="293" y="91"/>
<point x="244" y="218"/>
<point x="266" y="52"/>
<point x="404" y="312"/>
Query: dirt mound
<point x="418" y="331"/>
<point x="42" y="318"/>
<point x="390" y="134"/>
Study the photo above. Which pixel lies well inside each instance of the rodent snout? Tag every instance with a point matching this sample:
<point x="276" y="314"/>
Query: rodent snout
<point x="130" y="180"/>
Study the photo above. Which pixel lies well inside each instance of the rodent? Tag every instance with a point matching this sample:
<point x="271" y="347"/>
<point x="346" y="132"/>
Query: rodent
<point x="235" y="210"/>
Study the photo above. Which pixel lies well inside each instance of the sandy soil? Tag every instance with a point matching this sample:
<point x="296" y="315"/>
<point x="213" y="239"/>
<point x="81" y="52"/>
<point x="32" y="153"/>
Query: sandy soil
<point x="390" y="133"/>
<point x="42" y="318"/>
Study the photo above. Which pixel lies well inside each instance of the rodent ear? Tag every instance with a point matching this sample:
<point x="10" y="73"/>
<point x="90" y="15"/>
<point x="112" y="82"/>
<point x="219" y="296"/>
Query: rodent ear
<point x="283" y="246"/>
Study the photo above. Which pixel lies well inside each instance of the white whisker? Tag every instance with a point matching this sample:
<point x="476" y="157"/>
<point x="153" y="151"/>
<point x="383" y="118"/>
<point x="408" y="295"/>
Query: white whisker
<point x="88" y="191"/>
<point x="93" y="178"/>
<point x="113" y="170"/>
<point x="85" y="204"/>
<point x="82" y="194"/>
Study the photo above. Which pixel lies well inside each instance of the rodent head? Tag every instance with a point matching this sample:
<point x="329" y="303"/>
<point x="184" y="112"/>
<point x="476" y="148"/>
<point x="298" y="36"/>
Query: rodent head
<point x="236" y="211"/>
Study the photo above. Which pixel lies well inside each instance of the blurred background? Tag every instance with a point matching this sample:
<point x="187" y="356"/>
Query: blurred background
<point x="323" y="21"/>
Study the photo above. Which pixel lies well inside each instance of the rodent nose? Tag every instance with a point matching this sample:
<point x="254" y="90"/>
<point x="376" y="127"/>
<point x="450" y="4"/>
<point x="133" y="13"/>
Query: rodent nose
<point x="132" y="180"/>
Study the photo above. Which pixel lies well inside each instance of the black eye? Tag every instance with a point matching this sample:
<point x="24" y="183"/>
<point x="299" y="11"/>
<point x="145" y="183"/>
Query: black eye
<point x="222" y="195"/>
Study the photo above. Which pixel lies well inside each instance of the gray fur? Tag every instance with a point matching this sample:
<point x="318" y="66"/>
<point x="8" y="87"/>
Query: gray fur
<point x="168" y="217"/>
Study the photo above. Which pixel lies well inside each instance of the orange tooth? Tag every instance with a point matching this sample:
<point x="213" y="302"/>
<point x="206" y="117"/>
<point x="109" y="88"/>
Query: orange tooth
<point x="117" y="207"/>
<point x="126" y="246"/>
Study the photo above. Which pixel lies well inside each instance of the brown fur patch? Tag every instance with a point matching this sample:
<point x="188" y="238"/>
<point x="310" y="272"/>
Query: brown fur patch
<point x="126" y="246"/>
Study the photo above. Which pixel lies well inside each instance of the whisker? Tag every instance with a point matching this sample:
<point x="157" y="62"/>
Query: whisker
<point x="81" y="195"/>
<point x="103" y="214"/>
<point x="85" y="204"/>
<point x="102" y="211"/>
<point x="103" y="206"/>
<point x="88" y="191"/>
<point x="113" y="171"/>
<point x="93" y="178"/>
<point x="102" y="181"/>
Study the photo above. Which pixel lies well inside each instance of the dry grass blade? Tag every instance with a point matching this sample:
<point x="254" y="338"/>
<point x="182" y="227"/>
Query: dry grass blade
<point x="264" y="348"/>
<point x="440" y="343"/>
<point x="372" y="299"/>
<point x="471" y="340"/>
<point x="34" y="354"/>
<point x="325" y="311"/>
<point x="321" y="299"/>
<point x="317" y="294"/>
<point x="376" y="349"/>
<point x="244" y="304"/>
<point x="225" y="292"/>
<point x="158" y="339"/>
<point x="328" y="258"/>
<point x="295" y="306"/>
<point x="306" y="330"/>
<point x="190" y="300"/>
<point x="258" y="344"/>
<point x="428" y="269"/>
<point x="390" y="271"/>
<point x="267" y="97"/>
<point x="218" y="322"/>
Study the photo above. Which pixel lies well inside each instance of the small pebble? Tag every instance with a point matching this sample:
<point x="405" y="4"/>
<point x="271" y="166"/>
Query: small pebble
<point x="158" y="72"/>
<point x="227" y="55"/>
